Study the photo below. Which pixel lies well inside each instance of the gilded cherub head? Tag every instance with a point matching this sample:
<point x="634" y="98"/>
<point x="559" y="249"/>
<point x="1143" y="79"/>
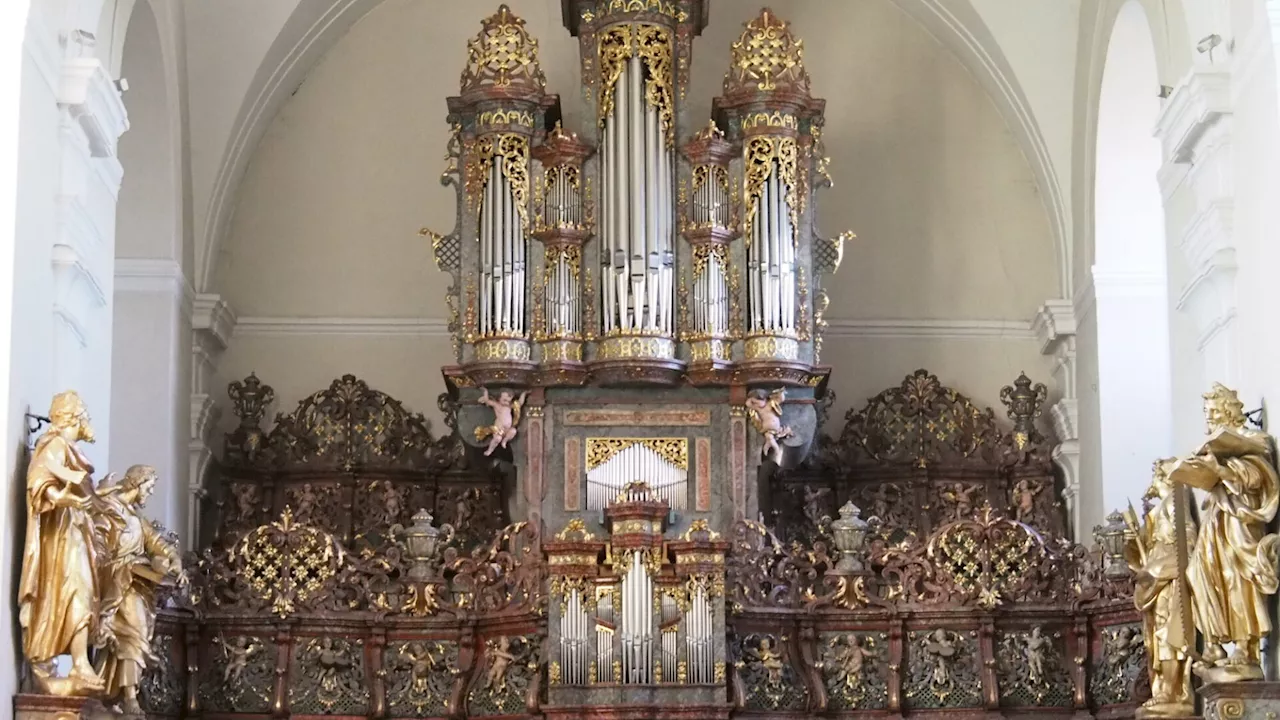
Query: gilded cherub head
<point x="1223" y="409"/>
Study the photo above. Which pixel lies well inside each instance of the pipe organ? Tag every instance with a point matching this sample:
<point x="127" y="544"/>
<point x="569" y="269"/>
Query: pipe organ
<point x="635" y="277"/>
<point x="674" y="250"/>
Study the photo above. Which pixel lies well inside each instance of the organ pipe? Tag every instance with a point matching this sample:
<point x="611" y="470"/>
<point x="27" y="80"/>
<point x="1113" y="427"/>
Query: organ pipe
<point x="502" y="239"/>
<point x="771" y="250"/>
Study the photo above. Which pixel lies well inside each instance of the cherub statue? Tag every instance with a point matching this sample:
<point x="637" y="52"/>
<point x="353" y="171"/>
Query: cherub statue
<point x="813" y="504"/>
<point x="770" y="660"/>
<point x="307" y="502"/>
<point x="462" y="511"/>
<point x="238" y="652"/>
<point x="247" y="500"/>
<point x="960" y="496"/>
<point x="506" y="415"/>
<point x="1036" y="649"/>
<point x="500" y="658"/>
<point x="331" y="659"/>
<point x="766" y="416"/>
<point x="392" y="504"/>
<point x="851" y="657"/>
<point x="941" y="647"/>
<point x="1024" y="496"/>
<point x="421" y="663"/>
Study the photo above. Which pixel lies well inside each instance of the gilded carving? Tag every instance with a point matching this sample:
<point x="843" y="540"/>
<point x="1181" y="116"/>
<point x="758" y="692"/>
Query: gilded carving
<point x="767" y="58"/>
<point x="942" y="671"/>
<point x="1031" y="671"/>
<point x="330" y="678"/>
<point x="239" y="676"/>
<point x="673" y="450"/>
<point x="502" y="54"/>
<point x="769" y="680"/>
<point x="853" y="670"/>
<point x="1233" y="569"/>
<point x="420" y="676"/>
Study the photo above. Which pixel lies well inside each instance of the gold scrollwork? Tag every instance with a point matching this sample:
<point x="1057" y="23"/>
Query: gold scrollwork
<point x="514" y="149"/>
<point x="601" y="449"/>
<point x="702" y="254"/>
<point x="698" y="527"/>
<point x="576" y="529"/>
<point x="652" y="43"/>
<point x="760" y="154"/>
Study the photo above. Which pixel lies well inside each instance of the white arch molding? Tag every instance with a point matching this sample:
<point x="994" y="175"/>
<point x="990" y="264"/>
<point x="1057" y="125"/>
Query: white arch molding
<point x="315" y="27"/>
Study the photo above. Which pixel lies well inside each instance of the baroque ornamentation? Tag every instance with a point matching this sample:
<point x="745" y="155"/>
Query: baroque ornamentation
<point x="1121" y="668"/>
<point x="1030" y="669"/>
<point x="854" y="670"/>
<point x="503" y="54"/>
<point x="507" y="677"/>
<point x="768" y="679"/>
<point x="330" y="677"/>
<point x="767" y="58"/>
<point x="420" y="677"/>
<point x="942" y="670"/>
<point x="239" y="676"/>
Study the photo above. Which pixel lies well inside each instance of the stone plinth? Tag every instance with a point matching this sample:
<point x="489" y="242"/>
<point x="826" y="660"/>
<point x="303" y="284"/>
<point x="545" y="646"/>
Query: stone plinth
<point x="1255" y="700"/>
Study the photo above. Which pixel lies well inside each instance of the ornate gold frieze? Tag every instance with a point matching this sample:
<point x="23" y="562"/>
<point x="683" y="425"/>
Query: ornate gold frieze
<point x="571" y="559"/>
<point x="639" y="526"/>
<point x="490" y="118"/>
<point x="699" y="559"/>
<point x="709" y="350"/>
<point x="631" y="347"/>
<point x="773" y="120"/>
<point x="670" y="8"/>
<point x="575" y="530"/>
<point x="516" y="349"/>
<point x="555" y="351"/>
<point x="602" y="449"/>
<point x="771" y="347"/>
<point x="604" y="417"/>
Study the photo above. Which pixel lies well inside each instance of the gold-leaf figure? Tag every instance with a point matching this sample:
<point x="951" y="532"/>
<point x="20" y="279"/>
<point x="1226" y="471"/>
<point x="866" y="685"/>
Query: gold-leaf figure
<point x="58" y="591"/>
<point x="140" y="560"/>
<point x="1153" y="556"/>
<point x="1234" y="566"/>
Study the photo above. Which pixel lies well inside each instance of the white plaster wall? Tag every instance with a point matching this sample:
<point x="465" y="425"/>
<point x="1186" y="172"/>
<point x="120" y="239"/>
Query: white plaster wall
<point x="1129" y="274"/>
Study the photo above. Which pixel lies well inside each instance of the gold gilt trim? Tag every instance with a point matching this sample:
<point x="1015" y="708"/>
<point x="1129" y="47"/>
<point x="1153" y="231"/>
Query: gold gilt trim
<point x="576" y="529"/>
<point x="653" y="44"/>
<point x="699" y="526"/>
<point x="502" y="52"/>
<point x="602" y="449"/>
<point x="702" y="253"/>
<point x="759" y="155"/>
<point x="710" y="350"/>
<point x="774" y="120"/>
<point x="699" y="558"/>
<point x="630" y="347"/>
<point x="771" y="347"/>
<point x="490" y="118"/>
<point x="670" y="9"/>
<point x="503" y="349"/>
<point x="561" y="351"/>
<point x="514" y="149"/>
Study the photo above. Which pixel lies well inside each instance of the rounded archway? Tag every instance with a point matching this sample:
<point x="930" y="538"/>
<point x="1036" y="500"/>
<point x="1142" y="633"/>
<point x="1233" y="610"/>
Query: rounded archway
<point x="1131" y="309"/>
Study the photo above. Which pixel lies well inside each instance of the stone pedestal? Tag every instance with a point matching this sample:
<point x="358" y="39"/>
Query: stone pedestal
<point x="1241" y="700"/>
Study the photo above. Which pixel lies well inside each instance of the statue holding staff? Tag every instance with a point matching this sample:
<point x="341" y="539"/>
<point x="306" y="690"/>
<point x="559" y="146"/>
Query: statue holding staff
<point x="1159" y="592"/>
<point x="1234" y="565"/>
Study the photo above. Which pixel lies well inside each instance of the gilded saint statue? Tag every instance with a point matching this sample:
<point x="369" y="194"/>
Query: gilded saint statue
<point x="1234" y="565"/>
<point x="1152" y="553"/>
<point x="140" y="560"/>
<point x="58" y="596"/>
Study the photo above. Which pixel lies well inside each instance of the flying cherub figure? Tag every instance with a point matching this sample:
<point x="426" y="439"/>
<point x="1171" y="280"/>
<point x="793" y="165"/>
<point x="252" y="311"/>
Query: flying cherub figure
<point x="238" y="652"/>
<point x="506" y="415"/>
<point x="500" y="658"/>
<point x="770" y="660"/>
<point x="766" y="416"/>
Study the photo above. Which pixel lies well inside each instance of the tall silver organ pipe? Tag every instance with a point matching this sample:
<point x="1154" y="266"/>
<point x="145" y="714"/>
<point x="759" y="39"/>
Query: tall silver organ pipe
<point x="637" y="241"/>
<point x="699" y="648"/>
<point x="606" y="624"/>
<point x="503" y="245"/>
<point x="710" y="291"/>
<point x="771" y="244"/>
<point x="560" y="292"/>
<point x="637" y="625"/>
<point x="578" y="640"/>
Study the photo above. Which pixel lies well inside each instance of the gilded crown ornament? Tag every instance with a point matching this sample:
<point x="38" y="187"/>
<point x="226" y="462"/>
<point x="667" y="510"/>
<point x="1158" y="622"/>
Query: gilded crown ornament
<point x="767" y="58"/>
<point x="503" y="55"/>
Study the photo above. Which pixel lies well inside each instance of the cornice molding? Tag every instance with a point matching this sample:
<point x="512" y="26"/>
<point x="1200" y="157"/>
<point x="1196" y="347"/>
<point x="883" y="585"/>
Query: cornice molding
<point x="154" y="275"/>
<point x="1019" y="330"/>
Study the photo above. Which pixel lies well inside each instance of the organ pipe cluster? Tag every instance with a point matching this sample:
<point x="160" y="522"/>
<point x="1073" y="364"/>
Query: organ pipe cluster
<point x="658" y="615"/>
<point x="669" y="253"/>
